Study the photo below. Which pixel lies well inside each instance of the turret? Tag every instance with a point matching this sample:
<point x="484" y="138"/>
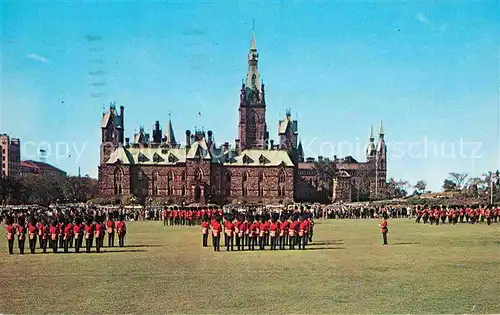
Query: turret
<point x="188" y="138"/>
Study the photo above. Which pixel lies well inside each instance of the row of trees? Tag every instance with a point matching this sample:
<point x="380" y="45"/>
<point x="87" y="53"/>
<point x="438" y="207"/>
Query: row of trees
<point x="45" y="189"/>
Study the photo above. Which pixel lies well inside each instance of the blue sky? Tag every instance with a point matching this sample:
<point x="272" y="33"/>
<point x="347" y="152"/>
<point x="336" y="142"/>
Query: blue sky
<point x="429" y="70"/>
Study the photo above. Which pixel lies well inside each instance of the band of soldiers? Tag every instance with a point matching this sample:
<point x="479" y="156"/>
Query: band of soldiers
<point x="64" y="233"/>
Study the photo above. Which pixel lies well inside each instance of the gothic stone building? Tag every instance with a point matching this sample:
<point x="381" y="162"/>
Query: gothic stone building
<point x="253" y="170"/>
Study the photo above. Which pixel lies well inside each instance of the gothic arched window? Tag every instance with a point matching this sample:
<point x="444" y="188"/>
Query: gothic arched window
<point x="170" y="183"/>
<point x="198" y="175"/>
<point x="118" y="181"/>
<point x="183" y="190"/>
<point x="261" y="184"/>
<point x="252" y="128"/>
<point x="155" y="183"/>
<point x="244" y="184"/>
<point x="183" y="175"/>
<point x="281" y="183"/>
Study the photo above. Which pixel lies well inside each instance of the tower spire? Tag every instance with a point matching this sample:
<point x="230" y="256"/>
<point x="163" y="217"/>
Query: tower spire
<point x="371" y="134"/>
<point x="381" y="132"/>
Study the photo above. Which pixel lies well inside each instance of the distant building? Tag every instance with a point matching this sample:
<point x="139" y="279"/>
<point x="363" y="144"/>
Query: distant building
<point x="10" y="156"/>
<point x="35" y="167"/>
<point x="253" y="170"/>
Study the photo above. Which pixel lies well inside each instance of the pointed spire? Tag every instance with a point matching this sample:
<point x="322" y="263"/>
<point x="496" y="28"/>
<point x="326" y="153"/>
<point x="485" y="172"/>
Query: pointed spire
<point x="253" y="45"/>
<point x="169" y="132"/>
<point x="381" y="132"/>
<point x="371" y="137"/>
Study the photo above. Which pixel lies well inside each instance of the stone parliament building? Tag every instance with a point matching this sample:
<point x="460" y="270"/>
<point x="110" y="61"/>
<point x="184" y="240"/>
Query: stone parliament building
<point x="253" y="170"/>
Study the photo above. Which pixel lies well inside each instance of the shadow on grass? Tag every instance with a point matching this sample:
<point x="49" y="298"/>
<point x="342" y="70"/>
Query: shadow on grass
<point x="121" y="251"/>
<point x="143" y="245"/>
<point x="405" y="243"/>
<point x="330" y="242"/>
<point x="322" y="248"/>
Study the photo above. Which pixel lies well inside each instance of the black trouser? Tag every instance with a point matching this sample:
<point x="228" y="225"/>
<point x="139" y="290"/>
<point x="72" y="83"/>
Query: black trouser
<point x="216" y="243"/>
<point x="310" y="235"/>
<point x="111" y="239"/>
<point x="273" y="242"/>
<point x="66" y="245"/>
<point x="121" y="240"/>
<point x="88" y="244"/>
<point x="418" y="219"/>
<point x="291" y="242"/>
<point x="20" y="244"/>
<point x="305" y="238"/>
<point x="32" y="244"/>
<point x="247" y="240"/>
<point x="488" y="220"/>
<point x="61" y="241"/>
<point x="11" y="246"/>
<point x="282" y="241"/>
<point x="229" y="242"/>
<point x="54" y="245"/>
<point x="40" y="243"/>
<point x="384" y="238"/>
<point x="238" y="241"/>
<point x="205" y="240"/>
<point x="262" y="242"/>
<point x="298" y="240"/>
<point x="44" y="245"/>
<point x="98" y="241"/>
<point x="251" y="242"/>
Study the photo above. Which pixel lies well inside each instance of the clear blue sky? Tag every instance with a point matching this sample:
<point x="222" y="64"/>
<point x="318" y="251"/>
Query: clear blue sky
<point x="429" y="70"/>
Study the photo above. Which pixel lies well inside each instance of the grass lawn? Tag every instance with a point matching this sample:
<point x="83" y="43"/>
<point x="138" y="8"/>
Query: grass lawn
<point x="425" y="269"/>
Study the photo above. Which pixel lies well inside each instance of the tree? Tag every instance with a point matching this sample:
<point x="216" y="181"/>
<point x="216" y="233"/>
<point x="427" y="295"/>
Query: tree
<point x="396" y="189"/>
<point x="458" y="178"/>
<point x="420" y="186"/>
<point x="449" y="185"/>
<point x="325" y="171"/>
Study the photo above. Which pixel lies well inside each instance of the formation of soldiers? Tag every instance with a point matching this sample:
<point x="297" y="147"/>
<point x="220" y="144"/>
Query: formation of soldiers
<point x="63" y="232"/>
<point x="456" y="214"/>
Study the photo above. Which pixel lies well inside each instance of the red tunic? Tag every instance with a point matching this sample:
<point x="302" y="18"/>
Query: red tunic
<point x="10" y="232"/>
<point x="21" y="231"/>
<point x="121" y="227"/>
<point x="53" y="232"/>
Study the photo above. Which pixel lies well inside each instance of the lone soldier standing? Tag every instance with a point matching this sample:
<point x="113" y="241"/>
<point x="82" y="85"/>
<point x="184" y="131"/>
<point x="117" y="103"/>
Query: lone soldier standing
<point x="384" y="229"/>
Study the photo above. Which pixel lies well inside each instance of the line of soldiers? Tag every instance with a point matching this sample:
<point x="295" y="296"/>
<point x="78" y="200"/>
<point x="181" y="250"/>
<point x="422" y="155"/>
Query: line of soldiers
<point x="189" y="216"/>
<point x="455" y="214"/>
<point x="64" y="232"/>
<point x="251" y="231"/>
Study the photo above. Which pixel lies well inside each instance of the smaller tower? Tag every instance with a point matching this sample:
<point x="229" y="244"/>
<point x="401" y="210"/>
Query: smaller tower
<point x="157" y="133"/>
<point x="169" y="134"/>
<point x="381" y="161"/>
<point x="370" y="147"/>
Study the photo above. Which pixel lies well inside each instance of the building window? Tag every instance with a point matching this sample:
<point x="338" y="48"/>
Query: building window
<point x="155" y="183"/>
<point x="261" y="184"/>
<point x="198" y="175"/>
<point x="244" y="184"/>
<point x="183" y="175"/>
<point x="170" y="183"/>
<point x="281" y="183"/>
<point x="183" y="190"/>
<point x="227" y="184"/>
<point x="118" y="181"/>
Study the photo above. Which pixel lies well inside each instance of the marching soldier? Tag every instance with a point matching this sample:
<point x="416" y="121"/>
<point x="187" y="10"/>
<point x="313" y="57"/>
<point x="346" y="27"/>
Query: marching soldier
<point x="10" y="234"/>
<point x="293" y="231"/>
<point x="61" y="232"/>
<point x="77" y="232"/>
<point x="21" y="235"/>
<point x="229" y="230"/>
<point x="274" y="231"/>
<point x="122" y="231"/>
<point x="384" y="229"/>
<point x="68" y="234"/>
<point x="44" y="235"/>
<point x="98" y="233"/>
<point x="39" y="228"/>
<point x="252" y="231"/>
<point x="54" y="231"/>
<point x="32" y="233"/>
<point x="111" y="230"/>
<point x="237" y="223"/>
<point x="216" y="231"/>
<point x="204" y="230"/>
<point x="89" y="235"/>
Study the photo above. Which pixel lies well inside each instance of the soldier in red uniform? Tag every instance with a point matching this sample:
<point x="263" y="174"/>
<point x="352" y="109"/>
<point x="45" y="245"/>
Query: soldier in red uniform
<point x="240" y="229"/>
<point x="68" y="234"/>
<point x="274" y="231"/>
<point x="89" y="235"/>
<point x="384" y="229"/>
<point x="252" y="232"/>
<point x="121" y="229"/>
<point x="77" y="232"/>
<point x="205" y="226"/>
<point x="32" y="234"/>
<point x="61" y="232"/>
<point x="39" y="228"/>
<point x="487" y="215"/>
<point x="98" y="234"/>
<point x="44" y="235"/>
<point x="110" y="225"/>
<point x="283" y="229"/>
<point x="262" y="232"/>
<point x="216" y="232"/>
<point x="9" y="226"/>
<point x="229" y="231"/>
<point x="293" y="231"/>
<point x="21" y="234"/>
<point x="54" y="232"/>
<point x="163" y="216"/>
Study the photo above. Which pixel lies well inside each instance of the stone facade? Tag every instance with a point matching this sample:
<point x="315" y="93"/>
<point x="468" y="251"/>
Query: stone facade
<point x="10" y="156"/>
<point x="253" y="170"/>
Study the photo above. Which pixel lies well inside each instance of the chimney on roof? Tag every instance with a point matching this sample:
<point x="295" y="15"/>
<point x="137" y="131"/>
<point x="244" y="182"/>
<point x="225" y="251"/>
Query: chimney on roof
<point x="209" y="137"/>
<point x="310" y="160"/>
<point x="225" y="146"/>
<point x="237" y="145"/>
<point x="188" y="138"/>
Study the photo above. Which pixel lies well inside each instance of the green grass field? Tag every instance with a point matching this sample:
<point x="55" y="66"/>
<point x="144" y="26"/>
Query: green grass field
<point x="425" y="269"/>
